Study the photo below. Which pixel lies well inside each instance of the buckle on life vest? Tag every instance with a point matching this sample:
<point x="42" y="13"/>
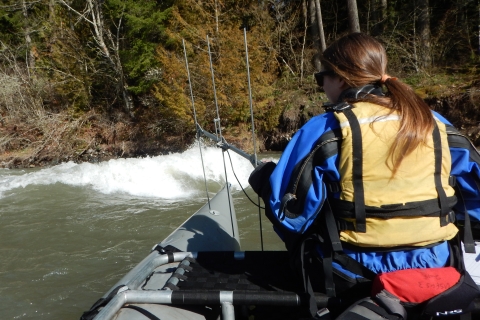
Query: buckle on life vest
<point x="333" y="187"/>
<point x="342" y="107"/>
<point x="452" y="181"/>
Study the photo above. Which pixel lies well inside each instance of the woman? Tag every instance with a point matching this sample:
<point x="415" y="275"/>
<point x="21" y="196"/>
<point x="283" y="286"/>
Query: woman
<point x="372" y="178"/>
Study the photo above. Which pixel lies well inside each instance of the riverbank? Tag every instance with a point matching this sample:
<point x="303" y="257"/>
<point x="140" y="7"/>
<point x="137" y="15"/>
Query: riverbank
<point x="92" y="137"/>
<point x="52" y="138"/>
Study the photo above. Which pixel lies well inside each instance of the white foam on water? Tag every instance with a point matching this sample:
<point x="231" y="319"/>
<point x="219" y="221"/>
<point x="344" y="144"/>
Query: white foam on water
<point x="173" y="176"/>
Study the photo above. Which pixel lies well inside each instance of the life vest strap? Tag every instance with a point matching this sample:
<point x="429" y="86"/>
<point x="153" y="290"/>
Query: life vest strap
<point x="353" y="265"/>
<point x="333" y="187"/>
<point x="426" y="208"/>
<point x="357" y="171"/>
<point x="468" y="241"/>
<point x="442" y="197"/>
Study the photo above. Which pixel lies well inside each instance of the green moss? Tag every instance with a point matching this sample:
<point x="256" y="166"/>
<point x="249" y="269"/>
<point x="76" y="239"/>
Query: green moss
<point x="442" y="83"/>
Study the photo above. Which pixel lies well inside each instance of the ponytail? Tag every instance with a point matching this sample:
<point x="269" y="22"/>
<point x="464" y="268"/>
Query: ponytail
<point x="416" y="121"/>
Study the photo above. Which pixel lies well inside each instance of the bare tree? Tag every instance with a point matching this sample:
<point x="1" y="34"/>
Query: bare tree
<point x="321" y="33"/>
<point x="305" y="16"/>
<point x="424" y="33"/>
<point x="380" y="16"/>
<point x="383" y="10"/>
<point x="312" y="14"/>
<point x="314" y="32"/>
<point x="353" y="16"/>
<point x="27" y="30"/>
<point x="108" y="45"/>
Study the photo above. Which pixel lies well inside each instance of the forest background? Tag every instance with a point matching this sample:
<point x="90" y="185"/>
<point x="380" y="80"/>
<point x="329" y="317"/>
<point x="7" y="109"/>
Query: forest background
<point x="90" y="80"/>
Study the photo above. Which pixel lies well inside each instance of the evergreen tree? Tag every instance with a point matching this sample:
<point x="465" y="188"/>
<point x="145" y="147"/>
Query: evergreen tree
<point x="142" y="27"/>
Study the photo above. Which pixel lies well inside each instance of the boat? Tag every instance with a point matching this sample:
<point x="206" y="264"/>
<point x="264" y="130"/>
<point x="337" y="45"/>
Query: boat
<point x="200" y="272"/>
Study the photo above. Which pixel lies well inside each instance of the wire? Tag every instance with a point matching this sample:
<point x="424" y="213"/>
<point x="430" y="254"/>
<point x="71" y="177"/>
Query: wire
<point x="233" y="170"/>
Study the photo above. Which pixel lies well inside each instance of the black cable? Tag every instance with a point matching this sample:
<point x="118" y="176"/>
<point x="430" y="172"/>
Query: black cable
<point x="233" y="170"/>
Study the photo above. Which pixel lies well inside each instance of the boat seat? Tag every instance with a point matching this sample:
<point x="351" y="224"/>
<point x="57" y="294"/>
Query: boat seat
<point x="253" y="278"/>
<point x="228" y="271"/>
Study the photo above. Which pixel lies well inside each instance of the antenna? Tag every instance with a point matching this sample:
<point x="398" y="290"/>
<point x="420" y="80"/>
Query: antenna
<point x="253" y="128"/>
<point x="218" y="132"/>
<point x="196" y="123"/>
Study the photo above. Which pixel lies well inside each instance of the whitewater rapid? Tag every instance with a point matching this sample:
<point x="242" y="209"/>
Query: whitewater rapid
<point x="174" y="176"/>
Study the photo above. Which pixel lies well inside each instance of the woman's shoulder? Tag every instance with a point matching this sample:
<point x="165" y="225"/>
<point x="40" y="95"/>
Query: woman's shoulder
<point x="441" y="118"/>
<point x="325" y="121"/>
<point x="306" y="137"/>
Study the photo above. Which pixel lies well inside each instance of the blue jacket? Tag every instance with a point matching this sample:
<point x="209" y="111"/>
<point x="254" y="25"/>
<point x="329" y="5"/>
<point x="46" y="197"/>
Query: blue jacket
<point x="465" y="167"/>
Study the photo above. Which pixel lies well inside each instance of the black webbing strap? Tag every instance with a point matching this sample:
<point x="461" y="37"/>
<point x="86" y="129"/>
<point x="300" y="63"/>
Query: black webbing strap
<point x="146" y="313"/>
<point x="442" y="197"/>
<point x="330" y="247"/>
<point x="468" y="241"/>
<point x="327" y="263"/>
<point x="354" y="266"/>
<point x="169" y="250"/>
<point x="308" y="245"/>
<point x="335" y="252"/>
<point x="331" y="226"/>
<point x="357" y="171"/>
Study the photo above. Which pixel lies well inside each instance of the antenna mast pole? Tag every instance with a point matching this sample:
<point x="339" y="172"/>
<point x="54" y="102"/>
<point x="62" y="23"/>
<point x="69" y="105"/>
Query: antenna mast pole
<point x="196" y="123"/>
<point x="253" y="125"/>
<point x="218" y="132"/>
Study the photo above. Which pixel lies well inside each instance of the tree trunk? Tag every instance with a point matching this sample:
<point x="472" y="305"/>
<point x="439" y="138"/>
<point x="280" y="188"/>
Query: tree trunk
<point x="312" y="13"/>
<point x="424" y="34"/>
<point x="415" y="55"/>
<point x="30" y="59"/>
<point x="383" y="10"/>
<point x="108" y="46"/>
<point x="353" y="16"/>
<point x="321" y="33"/>
<point x="380" y="17"/>
<point x="305" y="15"/>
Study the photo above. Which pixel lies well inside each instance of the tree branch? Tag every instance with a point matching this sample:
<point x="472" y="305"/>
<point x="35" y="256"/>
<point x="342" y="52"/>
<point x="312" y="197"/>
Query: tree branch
<point x="82" y="16"/>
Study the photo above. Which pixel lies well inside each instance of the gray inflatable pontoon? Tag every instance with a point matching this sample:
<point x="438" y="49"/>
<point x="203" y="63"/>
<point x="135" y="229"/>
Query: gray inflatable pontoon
<point x="199" y="272"/>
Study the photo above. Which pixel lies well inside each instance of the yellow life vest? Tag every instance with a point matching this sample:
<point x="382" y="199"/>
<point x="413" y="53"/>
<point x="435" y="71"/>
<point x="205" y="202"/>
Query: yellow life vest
<point x="421" y="181"/>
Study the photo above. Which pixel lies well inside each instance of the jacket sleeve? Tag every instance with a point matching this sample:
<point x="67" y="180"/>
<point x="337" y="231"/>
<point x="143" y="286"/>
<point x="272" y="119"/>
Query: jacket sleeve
<point x="466" y="170"/>
<point x="259" y="180"/>
<point x="287" y="177"/>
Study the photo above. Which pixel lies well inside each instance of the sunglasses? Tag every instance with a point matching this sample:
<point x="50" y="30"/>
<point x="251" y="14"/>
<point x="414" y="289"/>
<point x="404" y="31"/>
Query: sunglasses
<point x="320" y="75"/>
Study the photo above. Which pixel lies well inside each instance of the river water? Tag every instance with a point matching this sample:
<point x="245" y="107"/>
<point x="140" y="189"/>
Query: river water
<point x="70" y="232"/>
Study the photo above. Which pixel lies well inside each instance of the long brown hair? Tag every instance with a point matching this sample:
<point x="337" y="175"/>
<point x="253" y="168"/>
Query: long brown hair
<point x="360" y="59"/>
